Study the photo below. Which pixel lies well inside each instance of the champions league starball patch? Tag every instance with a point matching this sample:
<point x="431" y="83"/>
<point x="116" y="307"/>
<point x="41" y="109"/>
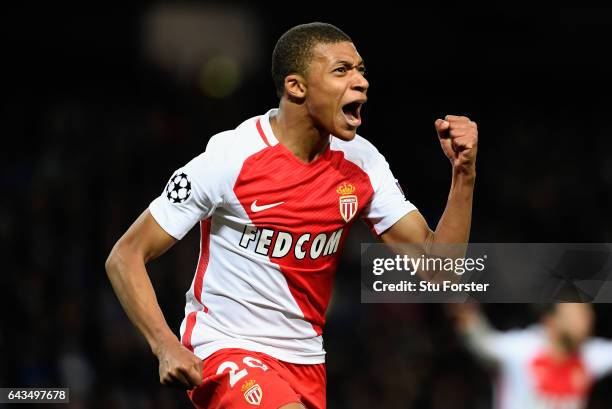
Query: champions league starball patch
<point x="178" y="188"/>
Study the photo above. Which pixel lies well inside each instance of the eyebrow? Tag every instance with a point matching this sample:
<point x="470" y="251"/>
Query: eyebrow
<point x="348" y="64"/>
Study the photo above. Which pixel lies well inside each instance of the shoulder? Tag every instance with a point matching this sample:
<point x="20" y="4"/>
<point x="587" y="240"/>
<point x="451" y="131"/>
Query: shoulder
<point x="244" y="139"/>
<point x="225" y="152"/>
<point x="232" y="147"/>
<point x="518" y="338"/>
<point x="516" y="345"/>
<point x="524" y="339"/>
<point x="597" y="355"/>
<point x="360" y="151"/>
<point x="598" y="346"/>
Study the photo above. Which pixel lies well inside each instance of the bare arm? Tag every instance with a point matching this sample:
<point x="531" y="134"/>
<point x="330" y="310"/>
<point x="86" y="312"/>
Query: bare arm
<point x="458" y="137"/>
<point x="476" y="331"/>
<point x="145" y="240"/>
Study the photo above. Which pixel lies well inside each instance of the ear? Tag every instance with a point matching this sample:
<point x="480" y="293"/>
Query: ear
<point x="295" y="87"/>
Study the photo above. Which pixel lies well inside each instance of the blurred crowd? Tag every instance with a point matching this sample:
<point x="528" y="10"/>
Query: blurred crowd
<point x="92" y="129"/>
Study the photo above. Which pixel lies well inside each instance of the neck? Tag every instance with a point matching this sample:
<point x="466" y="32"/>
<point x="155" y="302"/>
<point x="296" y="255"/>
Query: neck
<point x="294" y="128"/>
<point x="558" y="351"/>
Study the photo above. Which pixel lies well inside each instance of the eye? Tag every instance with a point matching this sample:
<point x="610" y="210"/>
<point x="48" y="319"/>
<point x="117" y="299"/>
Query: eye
<point x="362" y="70"/>
<point x="341" y="70"/>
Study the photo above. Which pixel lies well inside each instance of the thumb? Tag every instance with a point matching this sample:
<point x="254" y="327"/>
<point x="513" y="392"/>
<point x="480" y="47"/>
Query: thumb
<point x="442" y="127"/>
<point x="195" y="372"/>
<point x="447" y="147"/>
<point x="195" y="377"/>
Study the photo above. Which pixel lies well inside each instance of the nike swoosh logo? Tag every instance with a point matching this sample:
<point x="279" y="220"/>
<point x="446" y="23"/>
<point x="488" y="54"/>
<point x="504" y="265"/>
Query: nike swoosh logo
<point x="255" y="208"/>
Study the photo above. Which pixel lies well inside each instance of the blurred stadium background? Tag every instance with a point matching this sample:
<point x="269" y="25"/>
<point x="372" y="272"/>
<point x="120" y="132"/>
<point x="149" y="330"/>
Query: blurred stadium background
<point x="99" y="106"/>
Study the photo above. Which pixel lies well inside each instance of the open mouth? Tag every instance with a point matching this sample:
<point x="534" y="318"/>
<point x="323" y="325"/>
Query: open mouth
<point x="352" y="113"/>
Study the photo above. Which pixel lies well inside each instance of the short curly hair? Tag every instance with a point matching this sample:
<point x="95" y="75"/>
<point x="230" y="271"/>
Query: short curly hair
<point x="293" y="50"/>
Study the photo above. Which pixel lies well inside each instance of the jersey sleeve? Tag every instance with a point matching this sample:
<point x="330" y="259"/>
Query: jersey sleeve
<point x="388" y="204"/>
<point x="192" y="194"/>
<point x="597" y="354"/>
<point x="495" y="347"/>
<point x="484" y="342"/>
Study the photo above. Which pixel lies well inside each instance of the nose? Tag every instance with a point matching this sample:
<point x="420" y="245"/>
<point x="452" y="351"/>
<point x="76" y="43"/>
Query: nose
<point x="360" y="83"/>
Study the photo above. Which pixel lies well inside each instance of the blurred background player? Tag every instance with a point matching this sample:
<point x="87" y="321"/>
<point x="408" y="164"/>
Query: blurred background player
<point x="549" y="365"/>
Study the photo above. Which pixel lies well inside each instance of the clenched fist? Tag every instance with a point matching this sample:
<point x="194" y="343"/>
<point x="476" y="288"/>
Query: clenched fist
<point x="459" y="140"/>
<point x="178" y="366"/>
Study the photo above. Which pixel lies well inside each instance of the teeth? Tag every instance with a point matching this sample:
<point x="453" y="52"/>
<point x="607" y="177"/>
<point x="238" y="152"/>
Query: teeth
<point x="352" y="109"/>
<point x="351" y="112"/>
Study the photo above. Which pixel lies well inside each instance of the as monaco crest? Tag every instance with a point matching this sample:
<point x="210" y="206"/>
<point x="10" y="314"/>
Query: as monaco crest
<point x="252" y="392"/>
<point x="348" y="201"/>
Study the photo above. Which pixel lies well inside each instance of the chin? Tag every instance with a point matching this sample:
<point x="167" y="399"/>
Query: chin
<point x="571" y="343"/>
<point x="345" y="134"/>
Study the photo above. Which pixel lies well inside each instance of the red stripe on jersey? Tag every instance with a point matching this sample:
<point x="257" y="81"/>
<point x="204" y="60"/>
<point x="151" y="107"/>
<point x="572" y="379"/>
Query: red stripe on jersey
<point x="310" y="206"/>
<point x="261" y="132"/>
<point x="560" y="379"/>
<point x="203" y="260"/>
<point x="191" y="320"/>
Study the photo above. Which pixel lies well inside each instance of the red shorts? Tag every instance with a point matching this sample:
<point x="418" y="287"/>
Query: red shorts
<point x="237" y="378"/>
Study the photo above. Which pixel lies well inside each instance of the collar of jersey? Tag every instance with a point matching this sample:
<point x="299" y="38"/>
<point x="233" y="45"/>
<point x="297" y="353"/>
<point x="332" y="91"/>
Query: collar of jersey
<point x="267" y="128"/>
<point x="270" y="139"/>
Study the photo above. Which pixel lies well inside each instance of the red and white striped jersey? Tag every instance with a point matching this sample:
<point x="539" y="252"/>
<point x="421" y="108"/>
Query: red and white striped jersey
<point x="272" y="228"/>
